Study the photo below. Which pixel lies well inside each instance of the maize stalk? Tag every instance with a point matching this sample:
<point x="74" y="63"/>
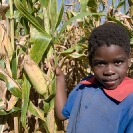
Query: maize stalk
<point x="36" y="76"/>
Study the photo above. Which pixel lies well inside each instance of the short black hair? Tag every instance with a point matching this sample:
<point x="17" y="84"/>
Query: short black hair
<point x="109" y="33"/>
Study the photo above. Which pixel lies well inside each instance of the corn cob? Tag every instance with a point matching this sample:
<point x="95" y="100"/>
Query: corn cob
<point x="36" y="76"/>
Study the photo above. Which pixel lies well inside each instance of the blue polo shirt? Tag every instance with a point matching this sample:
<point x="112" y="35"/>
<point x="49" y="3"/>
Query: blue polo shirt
<point x="90" y="110"/>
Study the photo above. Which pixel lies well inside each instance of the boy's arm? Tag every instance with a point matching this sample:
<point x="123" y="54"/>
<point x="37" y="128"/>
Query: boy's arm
<point x="61" y="94"/>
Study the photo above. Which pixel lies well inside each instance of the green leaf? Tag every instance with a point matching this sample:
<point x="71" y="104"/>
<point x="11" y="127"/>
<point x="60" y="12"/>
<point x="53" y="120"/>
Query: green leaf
<point x="46" y="106"/>
<point x="81" y="15"/>
<point x="68" y="51"/>
<point x="15" y="109"/>
<point x="14" y="66"/>
<point x="53" y="14"/>
<point x="40" y="45"/>
<point x="25" y="96"/>
<point x="83" y="4"/>
<point x="78" y="47"/>
<point x="77" y="55"/>
<point x="60" y="14"/>
<point x="44" y="3"/>
<point x="38" y="113"/>
<point x="46" y="20"/>
<point x="30" y="18"/>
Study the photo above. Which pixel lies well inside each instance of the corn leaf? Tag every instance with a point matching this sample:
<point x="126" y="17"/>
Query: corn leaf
<point x="81" y="15"/>
<point x="25" y="101"/>
<point x="60" y="14"/>
<point x="14" y="66"/>
<point x="46" y="106"/>
<point x="53" y="14"/>
<point x="15" y="109"/>
<point x="44" y="3"/>
<point x="11" y="84"/>
<point x="30" y="18"/>
<point x="40" y="45"/>
<point x="38" y="113"/>
<point x="78" y="47"/>
<point x="83" y="4"/>
<point x="46" y="20"/>
<point x="76" y="55"/>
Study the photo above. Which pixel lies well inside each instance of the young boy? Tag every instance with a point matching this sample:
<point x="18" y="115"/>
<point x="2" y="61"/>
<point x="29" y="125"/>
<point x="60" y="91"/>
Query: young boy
<point x="103" y="102"/>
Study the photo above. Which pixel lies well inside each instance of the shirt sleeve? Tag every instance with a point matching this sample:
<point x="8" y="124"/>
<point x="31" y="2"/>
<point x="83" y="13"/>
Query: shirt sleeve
<point x="70" y="101"/>
<point x="129" y="128"/>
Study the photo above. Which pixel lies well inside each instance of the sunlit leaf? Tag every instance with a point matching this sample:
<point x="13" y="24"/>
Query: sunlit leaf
<point x="76" y="55"/>
<point x="40" y="45"/>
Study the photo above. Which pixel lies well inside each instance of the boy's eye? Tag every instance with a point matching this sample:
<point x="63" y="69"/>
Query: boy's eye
<point x="118" y="62"/>
<point x="99" y="63"/>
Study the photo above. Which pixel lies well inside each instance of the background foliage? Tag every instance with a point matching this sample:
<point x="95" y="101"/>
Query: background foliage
<point x="31" y="32"/>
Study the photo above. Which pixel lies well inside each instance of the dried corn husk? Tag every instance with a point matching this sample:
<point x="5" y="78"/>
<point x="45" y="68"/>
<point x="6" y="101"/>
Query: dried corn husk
<point x="11" y="84"/>
<point x="5" y="44"/>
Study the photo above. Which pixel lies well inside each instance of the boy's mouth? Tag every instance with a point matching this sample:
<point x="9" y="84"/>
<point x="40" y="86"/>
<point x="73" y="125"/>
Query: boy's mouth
<point x="110" y="82"/>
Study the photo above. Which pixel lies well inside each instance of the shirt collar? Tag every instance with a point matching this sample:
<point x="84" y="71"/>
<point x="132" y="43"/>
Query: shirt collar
<point x="120" y="93"/>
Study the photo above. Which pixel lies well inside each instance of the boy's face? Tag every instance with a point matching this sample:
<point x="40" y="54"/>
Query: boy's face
<point x="110" y="65"/>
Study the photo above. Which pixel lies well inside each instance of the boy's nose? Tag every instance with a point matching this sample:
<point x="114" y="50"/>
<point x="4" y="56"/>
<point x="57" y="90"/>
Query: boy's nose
<point x="109" y="71"/>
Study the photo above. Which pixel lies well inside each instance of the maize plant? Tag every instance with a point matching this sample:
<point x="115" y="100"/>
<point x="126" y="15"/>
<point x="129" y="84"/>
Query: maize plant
<point x="32" y="31"/>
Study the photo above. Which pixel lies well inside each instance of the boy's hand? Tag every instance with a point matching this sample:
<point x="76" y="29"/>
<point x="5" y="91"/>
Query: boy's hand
<point x="56" y="69"/>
